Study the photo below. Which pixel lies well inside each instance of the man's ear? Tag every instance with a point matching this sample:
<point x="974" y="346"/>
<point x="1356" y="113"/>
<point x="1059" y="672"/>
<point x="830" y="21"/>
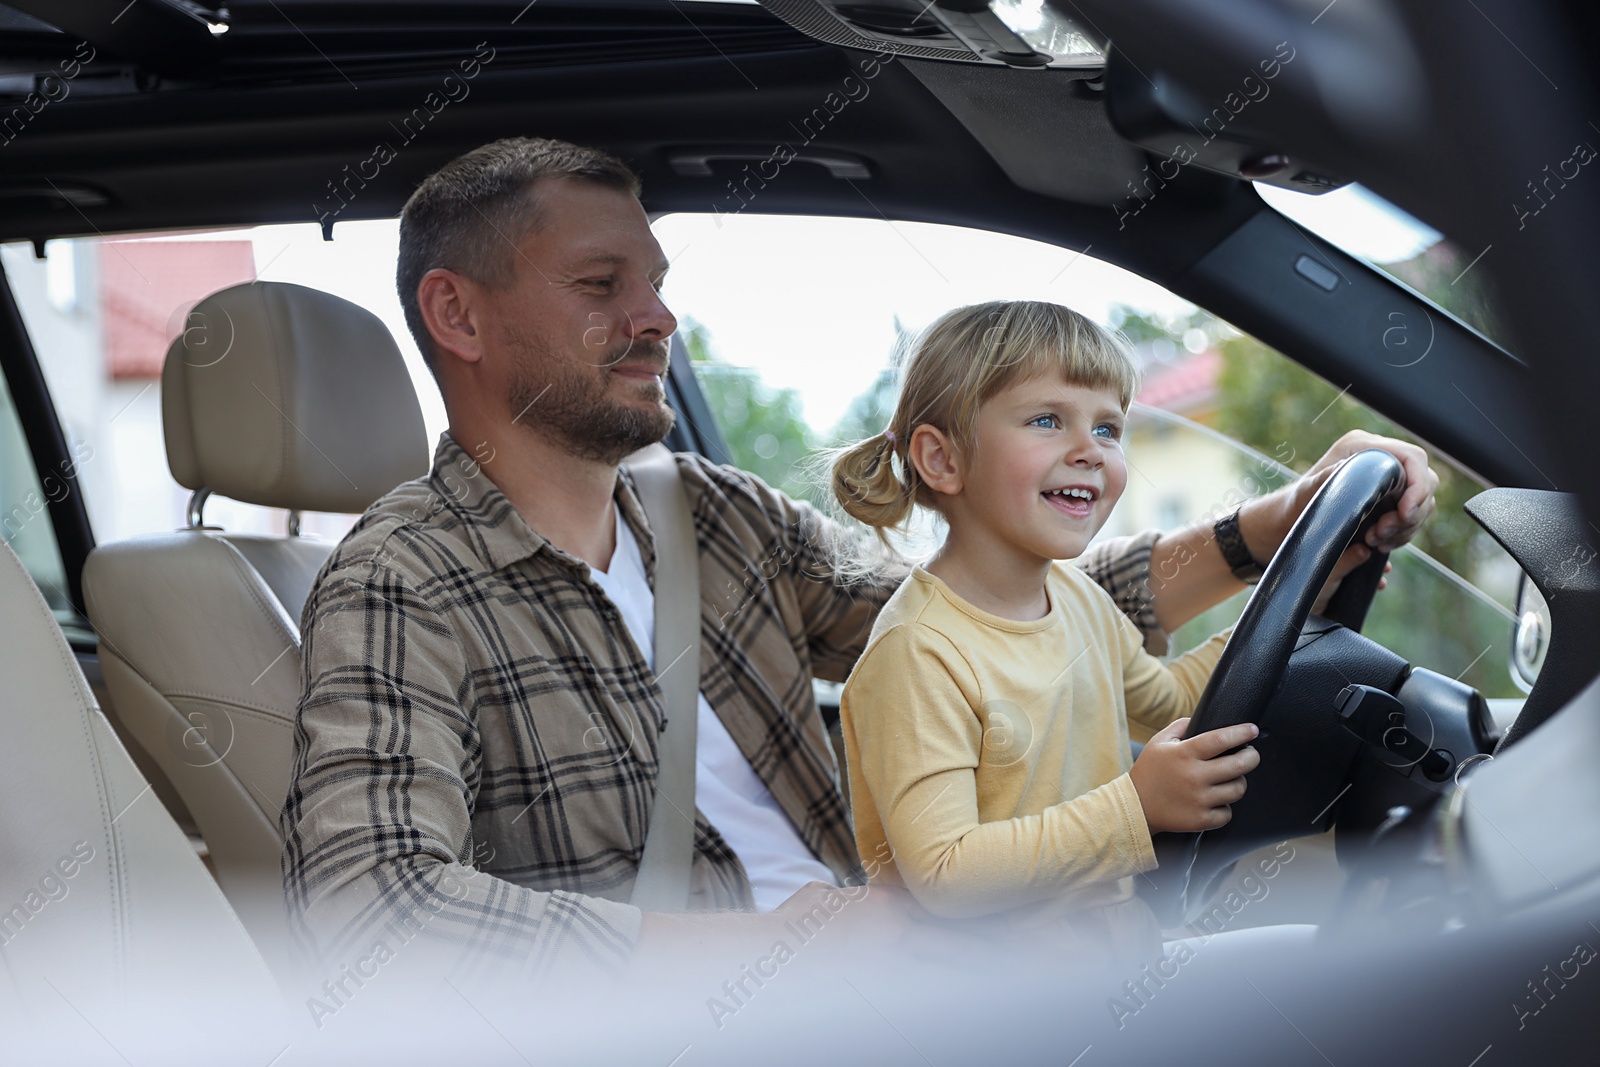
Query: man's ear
<point x="447" y="301"/>
<point x="934" y="455"/>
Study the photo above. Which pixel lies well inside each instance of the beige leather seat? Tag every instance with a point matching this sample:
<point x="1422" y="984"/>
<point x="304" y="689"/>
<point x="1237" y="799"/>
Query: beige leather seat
<point x="103" y="901"/>
<point x="281" y="396"/>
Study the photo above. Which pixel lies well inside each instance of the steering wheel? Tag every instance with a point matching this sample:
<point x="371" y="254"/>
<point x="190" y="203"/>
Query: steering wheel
<point x="1253" y="663"/>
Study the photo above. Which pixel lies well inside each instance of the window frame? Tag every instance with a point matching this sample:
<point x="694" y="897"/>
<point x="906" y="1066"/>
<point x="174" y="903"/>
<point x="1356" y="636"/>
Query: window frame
<point x="47" y="442"/>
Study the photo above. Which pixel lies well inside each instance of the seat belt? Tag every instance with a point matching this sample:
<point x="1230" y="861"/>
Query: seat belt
<point x="663" y="880"/>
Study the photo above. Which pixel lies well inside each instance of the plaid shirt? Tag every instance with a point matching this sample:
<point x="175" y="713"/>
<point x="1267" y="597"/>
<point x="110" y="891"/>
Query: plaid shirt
<point x="474" y="706"/>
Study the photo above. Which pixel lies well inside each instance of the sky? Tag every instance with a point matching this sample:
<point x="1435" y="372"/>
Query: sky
<point x="810" y="303"/>
<point x="1357" y="220"/>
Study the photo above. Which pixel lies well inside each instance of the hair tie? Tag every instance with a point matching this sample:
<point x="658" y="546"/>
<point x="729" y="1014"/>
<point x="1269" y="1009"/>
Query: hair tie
<point x="890" y="435"/>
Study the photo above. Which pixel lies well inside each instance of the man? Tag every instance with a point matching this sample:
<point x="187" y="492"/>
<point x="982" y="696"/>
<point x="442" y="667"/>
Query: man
<point x="475" y="753"/>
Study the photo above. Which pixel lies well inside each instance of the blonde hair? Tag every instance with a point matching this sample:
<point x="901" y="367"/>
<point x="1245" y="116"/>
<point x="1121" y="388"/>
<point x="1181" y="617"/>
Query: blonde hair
<point x="957" y="364"/>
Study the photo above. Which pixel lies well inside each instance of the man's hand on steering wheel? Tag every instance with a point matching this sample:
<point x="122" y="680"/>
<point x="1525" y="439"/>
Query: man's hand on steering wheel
<point x="1396" y="527"/>
<point x="1266" y="521"/>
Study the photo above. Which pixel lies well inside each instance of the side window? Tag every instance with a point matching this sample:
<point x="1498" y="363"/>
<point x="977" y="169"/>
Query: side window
<point x="1430" y="614"/>
<point x="25" y="523"/>
<point x="794" y="322"/>
<point x="1258" y="418"/>
<point x="101" y="313"/>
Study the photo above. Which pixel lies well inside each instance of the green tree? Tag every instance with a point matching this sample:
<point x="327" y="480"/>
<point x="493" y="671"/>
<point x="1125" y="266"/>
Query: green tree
<point x="870" y="412"/>
<point x="765" y="429"/>
<point x="1280" y="408"/>
<point x="1151" y="336"/>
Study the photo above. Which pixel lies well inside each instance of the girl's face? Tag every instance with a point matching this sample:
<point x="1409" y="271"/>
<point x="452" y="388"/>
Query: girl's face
<point x="1046" y="471"/>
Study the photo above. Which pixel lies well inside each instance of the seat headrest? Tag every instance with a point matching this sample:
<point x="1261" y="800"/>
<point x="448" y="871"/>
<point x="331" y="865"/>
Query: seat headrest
<point x="288" y="397"/>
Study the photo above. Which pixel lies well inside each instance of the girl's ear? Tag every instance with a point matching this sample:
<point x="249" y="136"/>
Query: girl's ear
<point x="934" y="455"/>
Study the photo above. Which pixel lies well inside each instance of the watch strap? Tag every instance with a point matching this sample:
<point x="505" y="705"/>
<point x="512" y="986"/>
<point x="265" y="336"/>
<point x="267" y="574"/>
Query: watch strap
<point x="1234" y="551"/>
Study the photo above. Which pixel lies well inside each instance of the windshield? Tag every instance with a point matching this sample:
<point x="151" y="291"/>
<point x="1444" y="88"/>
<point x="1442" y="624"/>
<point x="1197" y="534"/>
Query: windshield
<point x="1358" y="221"/>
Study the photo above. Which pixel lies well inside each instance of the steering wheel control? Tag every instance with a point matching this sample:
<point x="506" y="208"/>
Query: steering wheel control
<point x="1380" y="721"/>
<point x="1416" y="741"/>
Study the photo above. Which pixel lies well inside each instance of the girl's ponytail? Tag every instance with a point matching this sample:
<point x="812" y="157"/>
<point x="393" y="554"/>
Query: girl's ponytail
<point x="867" y="486"/>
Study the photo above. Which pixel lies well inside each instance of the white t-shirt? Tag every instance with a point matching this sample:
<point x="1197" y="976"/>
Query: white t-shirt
<point x="727" y="790"/>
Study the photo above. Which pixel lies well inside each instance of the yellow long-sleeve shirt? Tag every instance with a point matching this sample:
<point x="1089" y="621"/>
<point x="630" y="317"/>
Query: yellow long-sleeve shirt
<point x="988" y="758"/>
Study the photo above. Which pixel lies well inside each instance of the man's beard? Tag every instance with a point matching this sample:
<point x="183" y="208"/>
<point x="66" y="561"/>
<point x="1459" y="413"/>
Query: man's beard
<point x="568" y="402"/>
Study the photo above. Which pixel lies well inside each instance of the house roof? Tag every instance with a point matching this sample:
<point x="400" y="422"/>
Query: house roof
<point x="148" y="288"/>
<point x="1183" y="386"/>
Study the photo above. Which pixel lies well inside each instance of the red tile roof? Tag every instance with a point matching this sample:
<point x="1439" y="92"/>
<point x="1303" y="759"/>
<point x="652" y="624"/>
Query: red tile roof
<point x="1183" y="386"/>
<point x="147" y="289"/>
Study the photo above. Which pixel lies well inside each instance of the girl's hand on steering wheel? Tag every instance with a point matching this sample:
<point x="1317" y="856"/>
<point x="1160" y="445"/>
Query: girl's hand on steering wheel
<point x="1188" y="784"/>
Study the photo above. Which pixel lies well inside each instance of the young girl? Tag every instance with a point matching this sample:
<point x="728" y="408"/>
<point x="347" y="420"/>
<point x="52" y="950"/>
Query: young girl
<point x="986" y="725"/>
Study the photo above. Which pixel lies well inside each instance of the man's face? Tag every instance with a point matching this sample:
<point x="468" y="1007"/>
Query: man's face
<point x="581" y="333"/>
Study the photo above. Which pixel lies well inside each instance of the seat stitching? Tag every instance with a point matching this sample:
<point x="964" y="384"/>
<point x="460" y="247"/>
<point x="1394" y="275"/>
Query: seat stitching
<point x="255" y="711"/>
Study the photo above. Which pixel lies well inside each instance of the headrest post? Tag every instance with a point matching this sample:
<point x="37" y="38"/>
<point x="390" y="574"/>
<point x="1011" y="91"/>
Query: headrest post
<point x="197" y="505"/>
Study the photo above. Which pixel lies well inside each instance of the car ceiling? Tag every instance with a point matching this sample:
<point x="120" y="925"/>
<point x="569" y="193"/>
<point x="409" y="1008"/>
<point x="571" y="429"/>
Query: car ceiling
<point x="185" y="128"/>
<point x="255" y="126"/>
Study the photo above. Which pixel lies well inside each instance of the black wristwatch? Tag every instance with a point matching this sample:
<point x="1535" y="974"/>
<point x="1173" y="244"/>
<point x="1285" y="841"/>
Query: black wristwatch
<point x="1231" y="542"/>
